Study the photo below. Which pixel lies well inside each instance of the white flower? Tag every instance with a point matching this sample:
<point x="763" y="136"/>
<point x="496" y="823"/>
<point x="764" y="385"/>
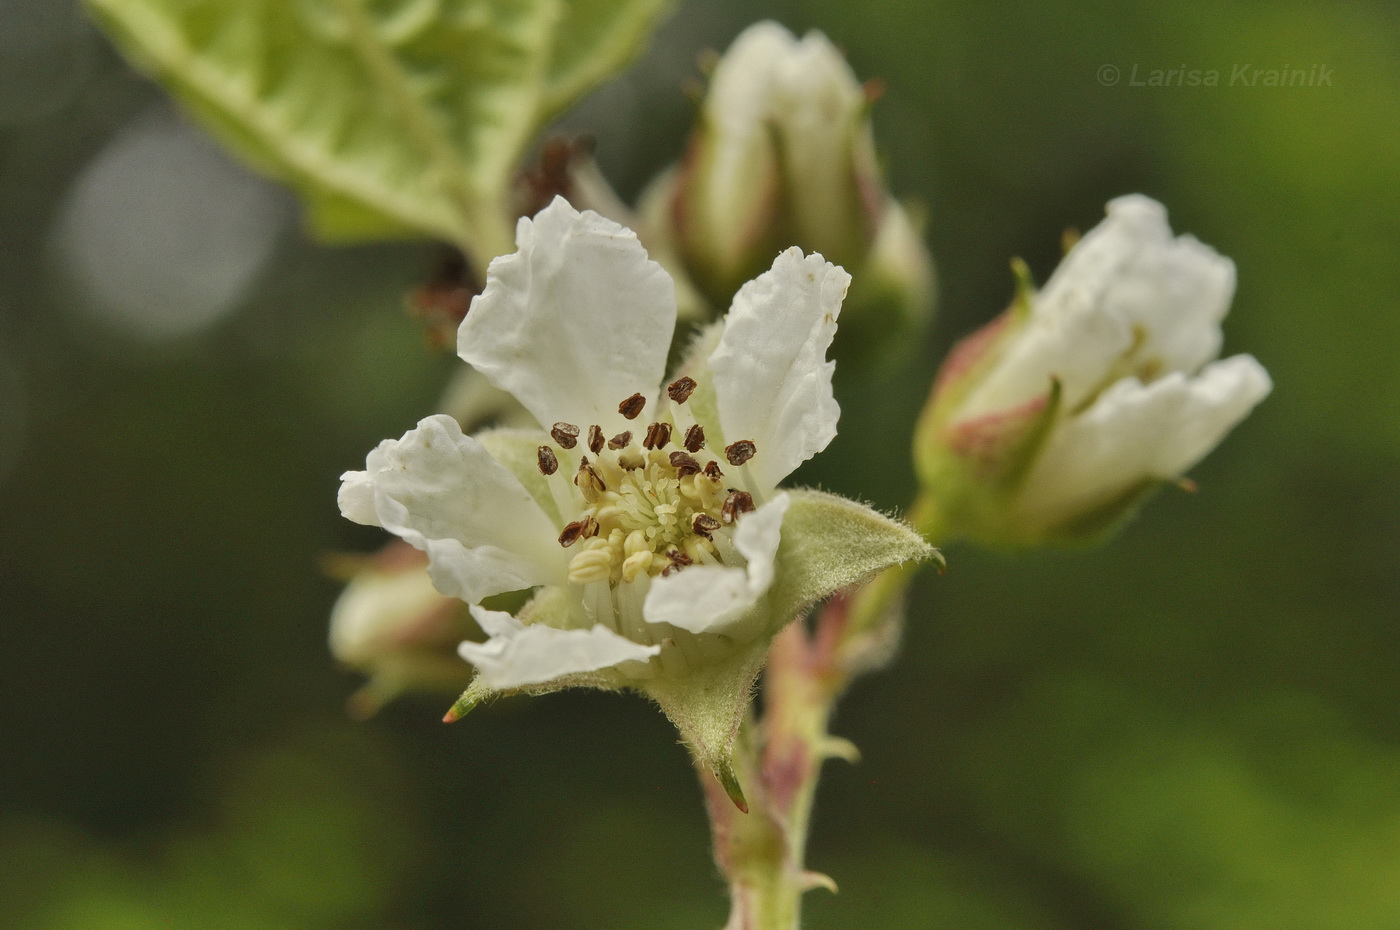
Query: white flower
<point x="1097" y="388"/>
<point x="647" y="508"/>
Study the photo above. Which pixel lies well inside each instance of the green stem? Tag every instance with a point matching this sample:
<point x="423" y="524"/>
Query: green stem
<point x="778" y="758"/>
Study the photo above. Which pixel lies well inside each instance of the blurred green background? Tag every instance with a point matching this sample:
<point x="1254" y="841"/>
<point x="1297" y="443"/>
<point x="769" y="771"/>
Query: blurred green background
<point x="1194" y="727"/>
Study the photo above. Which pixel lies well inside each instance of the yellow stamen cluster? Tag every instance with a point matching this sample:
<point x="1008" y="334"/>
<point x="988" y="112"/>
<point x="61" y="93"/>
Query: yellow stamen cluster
<point x="646" y="512"/>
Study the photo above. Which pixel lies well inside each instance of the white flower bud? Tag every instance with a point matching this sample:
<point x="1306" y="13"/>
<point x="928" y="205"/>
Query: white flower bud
<point x="391" y="624"/>
<point x="1057" y="418"/>
<point x="783" y="155"/>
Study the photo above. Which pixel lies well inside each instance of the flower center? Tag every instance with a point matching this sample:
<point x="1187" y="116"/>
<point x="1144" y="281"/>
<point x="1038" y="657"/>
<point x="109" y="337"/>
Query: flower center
<point x="642" y="508"/>
<point x="645" y="514"/>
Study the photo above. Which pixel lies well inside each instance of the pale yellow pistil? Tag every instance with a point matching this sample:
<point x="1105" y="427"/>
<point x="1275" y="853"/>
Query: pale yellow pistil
<point x="645" y="514"/>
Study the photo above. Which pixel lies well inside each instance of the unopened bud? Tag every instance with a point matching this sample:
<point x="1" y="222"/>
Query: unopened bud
<point x="783" y="155"/>
<point x="1053" y="422"/>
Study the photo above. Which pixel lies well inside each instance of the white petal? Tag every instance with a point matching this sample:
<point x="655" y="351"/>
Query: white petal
<point x="356" y="498"/>
<point x="707" y="598"/>
<point x="444" y="494"/>
<point x="1128" y="299"/>
<point x="517" y="655"/>
<point x="1136" y="432"/>
<point x="573" y="322"/>
<point x="1173" y="291"/>
<point x="772" y="380"/>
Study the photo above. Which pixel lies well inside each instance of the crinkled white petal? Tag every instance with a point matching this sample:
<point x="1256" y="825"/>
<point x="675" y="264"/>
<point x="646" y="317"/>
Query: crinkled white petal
<point x="573" y="322"/>
<point x="443" y="493"/>
<point x="1128" y="299"/>
<point x="706" y="598"/>
<point x="771" y="377"/>
<point x="517" y="655"/>
<point x="1136" y="432"/>
<point x="356" y="498"/>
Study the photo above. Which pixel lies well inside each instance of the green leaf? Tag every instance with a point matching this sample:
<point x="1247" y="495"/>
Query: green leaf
<point x="595" y="39"/>
<point x="390" y="117"/>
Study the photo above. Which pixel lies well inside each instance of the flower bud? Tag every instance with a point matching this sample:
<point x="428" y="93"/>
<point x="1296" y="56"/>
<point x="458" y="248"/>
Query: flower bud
<point x="393" y="625"/>
<point x="783" y="155"/>
<point x="1056" y="419"/>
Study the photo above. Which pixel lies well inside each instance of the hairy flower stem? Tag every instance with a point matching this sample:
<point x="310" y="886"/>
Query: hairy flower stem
<point x="778" y="759"/>
<point x="778" y="756"/>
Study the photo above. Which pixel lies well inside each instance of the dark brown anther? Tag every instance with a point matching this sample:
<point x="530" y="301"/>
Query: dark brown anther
<point x="548" y="463"/>
<point x="678" y="560"/>
<point x="679" y="389"/>
<point x="566" y="434"/>
<point x="577" y="530"/>
<point x="736" y="503"/>
<point x="740" y="452"/>
<point x="658" y="434"/>
<point x="621" y="440"/>
<point x="632" y="406"/>
<point x="712" y="470"/>
<point x="705" y="525"/>
<point x="587" y="476"/>
<point x="595" y="439"/>
<point x="695" y="438"/>
<point x="684" y="463"/>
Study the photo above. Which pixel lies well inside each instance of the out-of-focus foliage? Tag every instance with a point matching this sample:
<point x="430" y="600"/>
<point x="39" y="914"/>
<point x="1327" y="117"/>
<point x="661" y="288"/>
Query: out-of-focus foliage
<point x="389" y="118"/>
<point x="1192" y="728"/>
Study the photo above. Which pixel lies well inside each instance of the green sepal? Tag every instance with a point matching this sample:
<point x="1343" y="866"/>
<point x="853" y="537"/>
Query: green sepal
<point x="828" y="543"/>
<point x="972" y="472"/>
<point x="972" y="356"/>
<point x="707" y="705"/>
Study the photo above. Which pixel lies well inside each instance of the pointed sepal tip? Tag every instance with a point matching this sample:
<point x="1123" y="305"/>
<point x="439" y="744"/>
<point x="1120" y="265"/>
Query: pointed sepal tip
<point x="730" y="782"/>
